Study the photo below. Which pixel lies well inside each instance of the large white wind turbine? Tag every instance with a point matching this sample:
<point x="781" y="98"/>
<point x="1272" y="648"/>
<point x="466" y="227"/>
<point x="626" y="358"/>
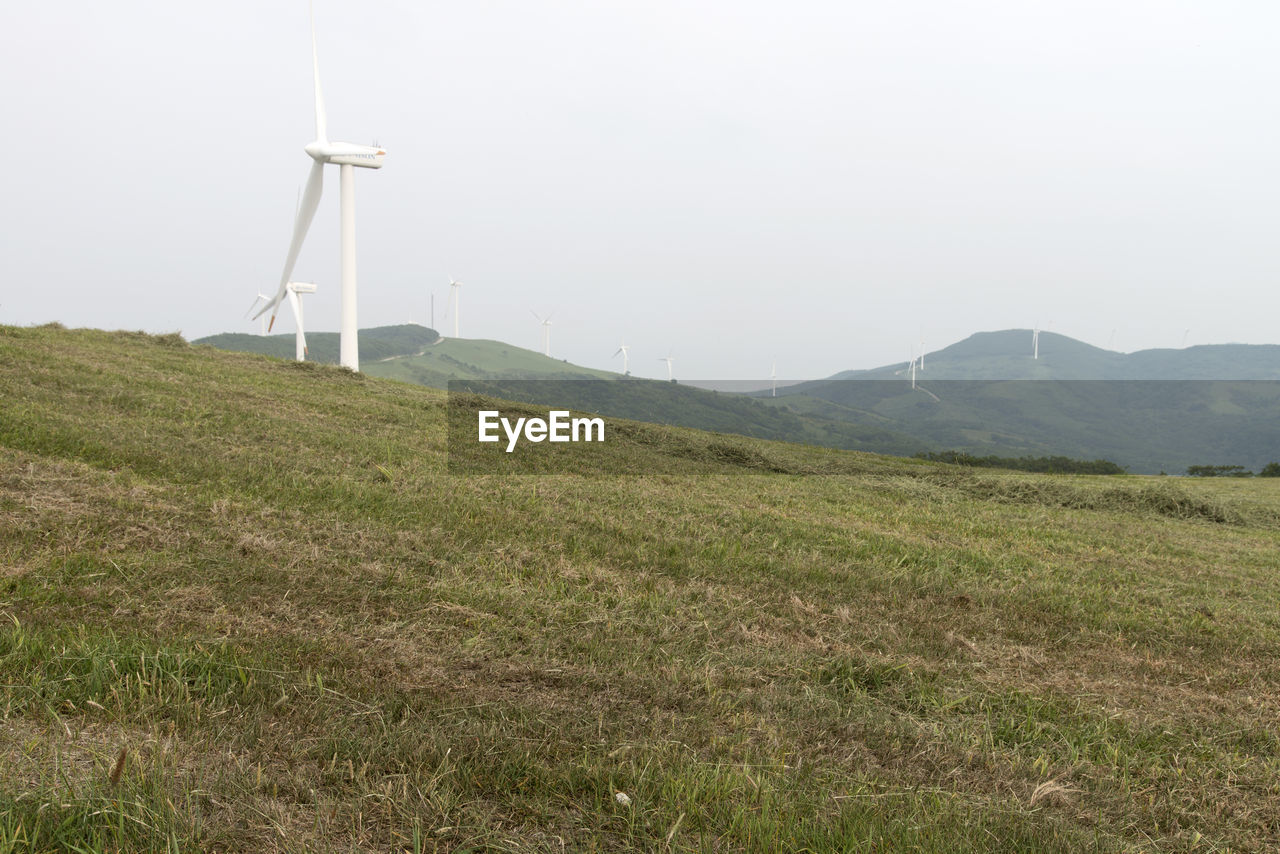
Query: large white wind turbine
<point x="1035" y="343"/>
<point x="346" y="155"/>
<point x="546" y="330"/>
<point x="626" y="361"/>
<point x="294" y="290"/>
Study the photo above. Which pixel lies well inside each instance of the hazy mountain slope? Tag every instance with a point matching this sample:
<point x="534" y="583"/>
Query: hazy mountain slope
<point x="1151" y="411"/>
<point x="1007" y="355"/>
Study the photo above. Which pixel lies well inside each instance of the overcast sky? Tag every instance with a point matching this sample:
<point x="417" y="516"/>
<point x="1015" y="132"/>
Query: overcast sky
<point x="735" y="182"/>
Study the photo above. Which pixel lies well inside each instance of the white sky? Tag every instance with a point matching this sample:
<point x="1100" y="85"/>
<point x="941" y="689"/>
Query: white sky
<point x="733" y="181"/>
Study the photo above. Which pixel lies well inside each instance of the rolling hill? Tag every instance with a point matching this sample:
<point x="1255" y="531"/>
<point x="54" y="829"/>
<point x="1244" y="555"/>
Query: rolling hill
<point x="984" y="396"/>
<point x="1006" y="355"/>
<point x="1155" y="410"/>
<point x="415" y="354"/>
<point x="418" y="355"/>
<point x="376" y="344"/>
<point x="246" y="605"/>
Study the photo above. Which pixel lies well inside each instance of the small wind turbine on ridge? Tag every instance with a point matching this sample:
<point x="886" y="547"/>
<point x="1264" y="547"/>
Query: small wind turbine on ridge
<point x="668" y="359"/>
<point x="773" y="378"/>
<point x="295" y="300"/>
<point x="455" y="289"/>
<point x="626" y="362"/>
<point x="546" y="331"/>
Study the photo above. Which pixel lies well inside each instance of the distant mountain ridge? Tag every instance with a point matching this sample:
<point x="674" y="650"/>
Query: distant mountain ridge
<point x="1007" y="355"/>
<point x="1152" y="410"/>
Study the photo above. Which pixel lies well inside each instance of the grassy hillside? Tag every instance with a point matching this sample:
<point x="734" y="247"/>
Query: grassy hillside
<point x="244" y="606"/>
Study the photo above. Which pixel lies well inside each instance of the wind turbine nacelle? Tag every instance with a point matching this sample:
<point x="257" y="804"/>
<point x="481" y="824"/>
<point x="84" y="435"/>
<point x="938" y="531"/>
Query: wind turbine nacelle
<point x="302" y="287"/>
<point x="346" y="154"/>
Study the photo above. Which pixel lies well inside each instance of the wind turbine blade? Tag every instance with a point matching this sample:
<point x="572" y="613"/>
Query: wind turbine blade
<point x="535" y="314"/>
<point x="615" y="353"/>
<point x="306" y="212"/>
<point x="256" y="300"/>
<point x="322" y="129"/>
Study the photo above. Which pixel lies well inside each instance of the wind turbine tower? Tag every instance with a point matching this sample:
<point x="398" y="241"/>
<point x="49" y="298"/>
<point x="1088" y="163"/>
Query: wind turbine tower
<point x="1035" y="343"/>
<point x="626" y="361"/>
<point x="346" y="156"/>
<point x="773" y="378"/>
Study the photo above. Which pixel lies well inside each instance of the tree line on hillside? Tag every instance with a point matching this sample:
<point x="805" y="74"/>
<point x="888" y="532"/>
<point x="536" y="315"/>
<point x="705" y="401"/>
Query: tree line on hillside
<point x="1271" y="469"/>
<point x="1045" y="465"/>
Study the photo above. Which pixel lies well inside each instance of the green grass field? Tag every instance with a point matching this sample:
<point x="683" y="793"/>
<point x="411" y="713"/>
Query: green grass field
<point x="245" y="607"/>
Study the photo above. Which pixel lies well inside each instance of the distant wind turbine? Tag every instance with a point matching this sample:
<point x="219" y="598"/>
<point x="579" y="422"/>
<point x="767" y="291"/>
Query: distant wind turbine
<point x="345" y="155"/>
<point x="668" y="359"/>
<point x="1035" y="343"/>
<point x="295" y="300"/>
<point x="455" y="288"/>
<point x="773" y="378"/>
<point x="546" y="330"/>
<point x="262" y="321"/>
<point x="1184" y="337"/>
<point x="626" y="361"/>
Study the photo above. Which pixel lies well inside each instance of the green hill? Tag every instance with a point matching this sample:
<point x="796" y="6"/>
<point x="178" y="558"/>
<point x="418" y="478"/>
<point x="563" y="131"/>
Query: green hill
<point x="245" y="606"/>
<point x="475" y="358"/>
<point x="376" y="344"/>
<point x="416" y="355"/>
<point x="1007" y="355"/>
